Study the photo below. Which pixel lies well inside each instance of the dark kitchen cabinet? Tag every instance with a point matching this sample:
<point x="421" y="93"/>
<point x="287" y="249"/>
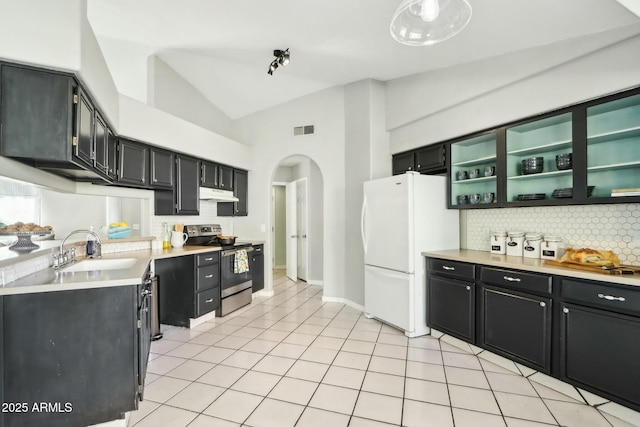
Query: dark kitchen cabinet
<point x="226" y="178"/>
<point x="84" y="147"/>
<point x="241" y="191"/>
<point x="450" y="301"/>
<point x="183" y="198"/>
<point x="609" y="316"/>
<point x="209" y="174"/>
<point x="77" y="351"/>
<point x="430" y="159"/>
<point x="516" y="315"/>
<point x="256" y="267"/>
<point x="101" y="138"/>
<point x="162" y="164"/>
<point x="112" y="155"/>
<point x="187" y="185"/>
<point x="48" y="122"/>
<point x="403" y="162"/>
<point x="189" y="287"/>
<point x="133" y="163"/>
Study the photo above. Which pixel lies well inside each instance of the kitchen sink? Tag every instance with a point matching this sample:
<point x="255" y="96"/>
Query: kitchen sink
<point x="101" y="264"/>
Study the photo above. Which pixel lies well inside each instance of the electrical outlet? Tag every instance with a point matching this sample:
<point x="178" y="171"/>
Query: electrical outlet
<point x="635" y="243"/>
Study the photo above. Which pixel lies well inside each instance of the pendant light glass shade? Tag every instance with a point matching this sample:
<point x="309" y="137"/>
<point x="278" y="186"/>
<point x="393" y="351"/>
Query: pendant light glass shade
<point x="425" y="22"/>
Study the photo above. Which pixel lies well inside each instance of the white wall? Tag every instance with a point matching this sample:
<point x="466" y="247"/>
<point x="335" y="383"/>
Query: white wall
<point x="270" y="134"/>
<point x="41" y="32"/>
<point x="170" y="92"/>
<point x="443" y="104"/>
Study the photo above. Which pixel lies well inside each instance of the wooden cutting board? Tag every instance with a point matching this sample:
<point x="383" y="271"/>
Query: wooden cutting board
<point x="623" y="269"/>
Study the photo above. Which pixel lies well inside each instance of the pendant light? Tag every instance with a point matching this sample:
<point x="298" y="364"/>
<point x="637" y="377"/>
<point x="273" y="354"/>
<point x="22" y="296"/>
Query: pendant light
<point x="426" y="22"/>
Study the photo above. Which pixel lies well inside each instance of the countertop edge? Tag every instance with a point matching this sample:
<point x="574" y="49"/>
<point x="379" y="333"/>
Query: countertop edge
<point x="49" y="281"/>
<point x="527" y="264"/>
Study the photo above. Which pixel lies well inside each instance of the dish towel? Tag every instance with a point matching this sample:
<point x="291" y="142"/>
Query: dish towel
<point x="241" y="262"/>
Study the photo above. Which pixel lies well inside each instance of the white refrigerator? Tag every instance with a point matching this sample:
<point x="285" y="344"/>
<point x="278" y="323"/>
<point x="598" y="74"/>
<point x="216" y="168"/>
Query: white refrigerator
<point x="403" y="216"/>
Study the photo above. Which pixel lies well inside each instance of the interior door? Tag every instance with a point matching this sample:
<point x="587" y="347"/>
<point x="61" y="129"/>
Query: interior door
<point x="301" y="218"/>
<point x="292" y="237"/>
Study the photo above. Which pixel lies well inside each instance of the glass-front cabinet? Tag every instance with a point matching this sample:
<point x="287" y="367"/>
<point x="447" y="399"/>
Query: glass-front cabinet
<point x="473" y="171"/>
<point x="539" y="159"/>
<point x="613" y="148"/>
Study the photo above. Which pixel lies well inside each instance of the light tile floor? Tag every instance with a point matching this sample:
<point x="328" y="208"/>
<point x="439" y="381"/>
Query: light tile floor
<point x="293" y="360"/>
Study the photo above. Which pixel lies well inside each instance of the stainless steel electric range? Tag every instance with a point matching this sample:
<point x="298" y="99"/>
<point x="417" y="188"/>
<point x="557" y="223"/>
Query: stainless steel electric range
<point x="235" y="274"/>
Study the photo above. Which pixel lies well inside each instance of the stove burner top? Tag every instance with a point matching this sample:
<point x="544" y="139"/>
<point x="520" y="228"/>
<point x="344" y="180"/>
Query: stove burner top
<point x="206" y="235"/>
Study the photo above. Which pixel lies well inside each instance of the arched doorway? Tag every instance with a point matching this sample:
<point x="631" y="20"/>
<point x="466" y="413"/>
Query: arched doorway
<point x="297" y="226"/>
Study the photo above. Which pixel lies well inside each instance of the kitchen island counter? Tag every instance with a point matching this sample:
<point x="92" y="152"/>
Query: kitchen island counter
<point x="528" y="264"/>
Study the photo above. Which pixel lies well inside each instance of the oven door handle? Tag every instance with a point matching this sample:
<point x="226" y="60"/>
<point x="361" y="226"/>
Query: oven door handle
<point x="234" y="251"/>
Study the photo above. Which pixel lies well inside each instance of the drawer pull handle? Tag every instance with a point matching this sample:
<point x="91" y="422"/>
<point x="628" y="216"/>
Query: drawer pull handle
<point x="446" y="267"/>
<point x="611" y="298"/>
<point x="209" y="300"/>
<point x="512" y="279"/>
<point x="468" y="288"/>
<point x="208" y="276"/>
<point x="208" y="259"/>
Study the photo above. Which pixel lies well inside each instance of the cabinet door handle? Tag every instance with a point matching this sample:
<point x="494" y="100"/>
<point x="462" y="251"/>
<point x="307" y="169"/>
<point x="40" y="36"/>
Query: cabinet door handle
<point x="542" y="304"/>
<point x="512" y="279"/>
<point x="208" y="276"/>
<point x="611" y="298"/>
<point x="565" y="310"/>
<point x="446" y="267"/>
<point x="468" y="288"/>
<point x="208" y="300"/>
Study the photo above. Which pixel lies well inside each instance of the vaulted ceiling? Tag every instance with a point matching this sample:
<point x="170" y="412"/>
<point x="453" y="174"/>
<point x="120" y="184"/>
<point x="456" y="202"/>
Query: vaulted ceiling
<point x="223" y="48"/>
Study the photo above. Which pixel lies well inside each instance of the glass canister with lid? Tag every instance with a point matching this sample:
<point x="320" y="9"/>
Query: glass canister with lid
<point x="498" y="242"/>
<point x="515" y="240"/>
<point x="552" y="247"/>
<point x="531" y="246"/>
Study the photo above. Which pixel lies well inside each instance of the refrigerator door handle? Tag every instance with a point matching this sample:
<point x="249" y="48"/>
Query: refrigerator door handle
<point x="362" y="233"/>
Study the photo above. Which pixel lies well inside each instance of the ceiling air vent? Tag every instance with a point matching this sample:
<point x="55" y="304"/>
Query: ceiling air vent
<point x="303" y="130"/>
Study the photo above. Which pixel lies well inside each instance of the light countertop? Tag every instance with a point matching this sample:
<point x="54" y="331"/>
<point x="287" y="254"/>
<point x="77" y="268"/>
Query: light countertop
<point x="48" y="280"/>
<point x="528" y="264"/>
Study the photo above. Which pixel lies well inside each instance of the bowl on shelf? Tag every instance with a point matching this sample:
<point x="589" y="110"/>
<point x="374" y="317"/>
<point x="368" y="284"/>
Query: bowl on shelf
<point x="564" y="161"/>
<point x="532" y="165"/>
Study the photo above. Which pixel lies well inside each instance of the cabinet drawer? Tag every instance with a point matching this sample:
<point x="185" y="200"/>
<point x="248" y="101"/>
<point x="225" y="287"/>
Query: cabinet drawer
<point x="208" y="277"/>
<point x="602" y="295"/>
<point x="207" y="301"/>
<point x="537" y="283"/>
<point x="207" y="259"/>
<point x="452" y="268"/>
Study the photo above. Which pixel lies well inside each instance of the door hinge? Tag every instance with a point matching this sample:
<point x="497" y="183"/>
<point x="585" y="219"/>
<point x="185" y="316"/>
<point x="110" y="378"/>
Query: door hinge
<point x="74" y="141"/>
<point x="139" y="324"/>
<point x="75" y="98"/>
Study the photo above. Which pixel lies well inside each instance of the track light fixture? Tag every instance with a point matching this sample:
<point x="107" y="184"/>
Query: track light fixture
<point x="283" y="57"/>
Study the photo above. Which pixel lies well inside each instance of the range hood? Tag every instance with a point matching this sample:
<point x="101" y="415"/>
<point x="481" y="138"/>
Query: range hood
<point x="216" y="195"/>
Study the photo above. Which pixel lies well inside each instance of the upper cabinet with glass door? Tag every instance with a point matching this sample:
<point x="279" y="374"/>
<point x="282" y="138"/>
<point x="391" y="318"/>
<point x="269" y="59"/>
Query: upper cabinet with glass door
<point x="613" y="148"/>
<point x="473" y="172"/>
<point x="539" y="159"/>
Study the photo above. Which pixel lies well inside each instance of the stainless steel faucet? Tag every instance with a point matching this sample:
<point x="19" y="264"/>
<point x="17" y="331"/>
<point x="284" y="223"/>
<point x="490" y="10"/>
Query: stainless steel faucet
<point x="64" y="258"/>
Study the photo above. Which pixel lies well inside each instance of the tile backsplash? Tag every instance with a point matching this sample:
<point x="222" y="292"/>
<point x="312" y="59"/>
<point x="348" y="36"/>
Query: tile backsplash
<point x="606" y="227"/>
<point x="208" y="215"/>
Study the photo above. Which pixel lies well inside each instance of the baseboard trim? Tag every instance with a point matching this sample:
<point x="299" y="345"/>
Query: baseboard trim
<point x="344" y="301"/>
<point x="263" y="293"/>
<point x="315" y="282"/>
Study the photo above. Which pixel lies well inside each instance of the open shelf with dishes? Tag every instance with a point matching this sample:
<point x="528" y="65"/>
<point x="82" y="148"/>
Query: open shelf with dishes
<point x="539" y="158"/>
<point x="586" y="153"/>
<point x="613" y="147"/>
<point x="473" y="171"/>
